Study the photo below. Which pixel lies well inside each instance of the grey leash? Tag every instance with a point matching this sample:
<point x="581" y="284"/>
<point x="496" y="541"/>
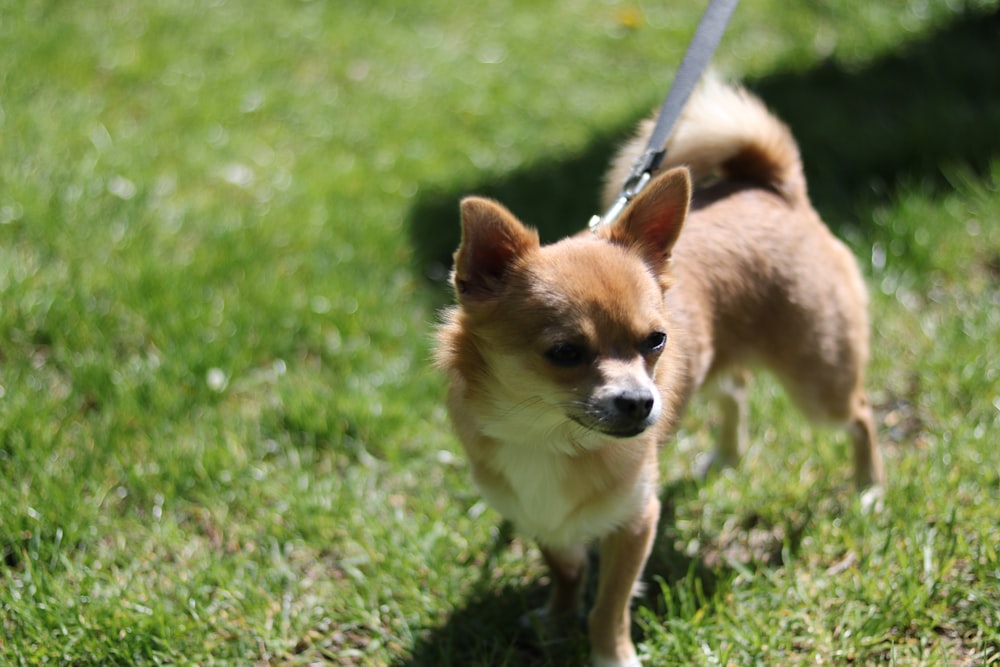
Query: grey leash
<point x="699" y="52"/>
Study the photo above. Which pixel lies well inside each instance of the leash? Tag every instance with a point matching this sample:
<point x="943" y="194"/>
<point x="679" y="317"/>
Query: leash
<point x="706" y="39"/>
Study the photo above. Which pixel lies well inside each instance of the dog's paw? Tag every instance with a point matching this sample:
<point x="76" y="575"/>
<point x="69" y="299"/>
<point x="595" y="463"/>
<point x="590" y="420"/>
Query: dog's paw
<point x="598" y="661"/>
<point x="873" y="500"/>
<point x="547" y="624"/>
<point x="538" y="620"/>
<point x="712" y="463"/>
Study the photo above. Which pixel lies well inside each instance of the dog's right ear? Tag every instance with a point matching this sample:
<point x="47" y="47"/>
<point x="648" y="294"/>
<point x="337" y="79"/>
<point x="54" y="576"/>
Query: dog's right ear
<point x="492" y="240"/>
<point x="653" y="221"/>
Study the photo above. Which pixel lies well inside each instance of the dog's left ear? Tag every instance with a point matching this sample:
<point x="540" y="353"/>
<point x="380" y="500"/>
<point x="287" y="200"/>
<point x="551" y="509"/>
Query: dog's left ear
<point x="653" y="221"/>
<point x="493" y="240"/>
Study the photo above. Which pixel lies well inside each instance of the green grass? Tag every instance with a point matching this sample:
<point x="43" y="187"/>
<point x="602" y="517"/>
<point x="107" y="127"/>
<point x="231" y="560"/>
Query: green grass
<point x="221" y="441"/>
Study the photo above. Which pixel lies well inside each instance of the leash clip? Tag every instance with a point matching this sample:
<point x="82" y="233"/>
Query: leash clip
<point x="634" y="184"/>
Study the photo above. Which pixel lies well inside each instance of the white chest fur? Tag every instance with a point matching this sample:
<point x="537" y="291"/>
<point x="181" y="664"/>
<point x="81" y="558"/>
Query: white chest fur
<point x="548" y="500"/>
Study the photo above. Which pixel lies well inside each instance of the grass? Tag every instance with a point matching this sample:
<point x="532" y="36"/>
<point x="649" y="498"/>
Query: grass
<point x="220" y="228"/>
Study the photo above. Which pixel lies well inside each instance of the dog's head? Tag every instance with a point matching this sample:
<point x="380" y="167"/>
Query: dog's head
<point x="563" y="340"/>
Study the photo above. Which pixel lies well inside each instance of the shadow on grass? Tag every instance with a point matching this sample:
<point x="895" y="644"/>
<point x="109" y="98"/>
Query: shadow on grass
<point x="862" y="130"/>
<point x="898" y="120"/>
<point x="487" y="632"/>
<point x="487" y="629"/>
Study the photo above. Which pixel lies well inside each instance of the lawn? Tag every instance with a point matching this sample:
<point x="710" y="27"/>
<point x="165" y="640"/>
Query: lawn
<point x="224" y="229"/>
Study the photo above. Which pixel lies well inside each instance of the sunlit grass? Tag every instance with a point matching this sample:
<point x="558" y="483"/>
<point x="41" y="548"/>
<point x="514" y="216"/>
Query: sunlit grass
<point x="221" y="440"/>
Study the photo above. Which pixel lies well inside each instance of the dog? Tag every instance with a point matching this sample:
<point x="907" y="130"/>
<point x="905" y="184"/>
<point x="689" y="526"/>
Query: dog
<point x="568" y="364"/>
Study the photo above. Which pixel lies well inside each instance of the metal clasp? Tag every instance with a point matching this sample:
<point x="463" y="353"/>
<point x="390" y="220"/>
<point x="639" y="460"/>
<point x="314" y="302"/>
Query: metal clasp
<point x="633" y="186"/>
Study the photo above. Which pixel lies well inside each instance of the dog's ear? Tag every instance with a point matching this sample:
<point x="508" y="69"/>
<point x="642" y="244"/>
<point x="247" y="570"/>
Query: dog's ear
<point x="492" y="240"/>
<point x="653" y="220"/>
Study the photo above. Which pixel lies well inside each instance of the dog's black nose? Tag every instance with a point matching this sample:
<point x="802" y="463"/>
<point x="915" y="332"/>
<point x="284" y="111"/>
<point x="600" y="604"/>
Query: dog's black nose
<point x="634" y="405"/>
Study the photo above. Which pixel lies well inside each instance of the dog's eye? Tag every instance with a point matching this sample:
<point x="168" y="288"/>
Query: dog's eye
<point x="565" y="354"/>
<point x="654" y="342"/>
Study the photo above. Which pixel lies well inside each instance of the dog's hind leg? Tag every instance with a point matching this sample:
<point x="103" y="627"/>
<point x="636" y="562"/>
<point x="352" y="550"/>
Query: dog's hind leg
<point x="734" y="433"/>
<point x="834" y="395"/>
<point x="868" y="471"/>
<point x="729" y="393"/>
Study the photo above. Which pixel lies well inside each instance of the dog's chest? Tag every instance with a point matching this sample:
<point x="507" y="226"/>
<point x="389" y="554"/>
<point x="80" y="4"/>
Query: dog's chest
<point x="547" y="498"/>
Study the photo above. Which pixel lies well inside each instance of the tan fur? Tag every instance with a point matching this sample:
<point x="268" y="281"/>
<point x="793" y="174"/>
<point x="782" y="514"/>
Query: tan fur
<point x="722" y="130"/>
<point x="558" y="386"/>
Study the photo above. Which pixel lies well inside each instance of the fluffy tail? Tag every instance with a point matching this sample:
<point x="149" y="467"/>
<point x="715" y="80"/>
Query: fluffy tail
<point x="725" y="131"/>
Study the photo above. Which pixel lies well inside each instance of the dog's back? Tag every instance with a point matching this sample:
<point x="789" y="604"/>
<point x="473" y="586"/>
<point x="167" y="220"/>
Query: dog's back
<point x="759" y="279"/>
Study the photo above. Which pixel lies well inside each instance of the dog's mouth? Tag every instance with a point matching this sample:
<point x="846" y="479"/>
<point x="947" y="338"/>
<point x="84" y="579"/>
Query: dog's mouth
<point x="624" y="433"/>
<point x="610" y="427"/>
<point x="624" y="414"/>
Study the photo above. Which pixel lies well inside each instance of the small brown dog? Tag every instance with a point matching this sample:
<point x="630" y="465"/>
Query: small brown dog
<point x="569" y="363"/>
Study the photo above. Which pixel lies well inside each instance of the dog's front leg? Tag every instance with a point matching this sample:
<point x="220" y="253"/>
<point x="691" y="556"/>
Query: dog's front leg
<point x="623" y="556"/>
<point x="567" y="568"/>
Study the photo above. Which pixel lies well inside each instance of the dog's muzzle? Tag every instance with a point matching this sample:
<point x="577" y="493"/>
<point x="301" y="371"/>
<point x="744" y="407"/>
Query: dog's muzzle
<point x="624" y="414"/>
